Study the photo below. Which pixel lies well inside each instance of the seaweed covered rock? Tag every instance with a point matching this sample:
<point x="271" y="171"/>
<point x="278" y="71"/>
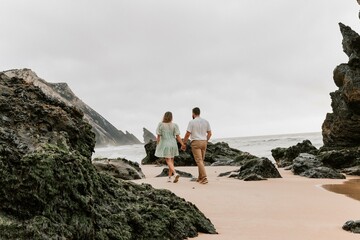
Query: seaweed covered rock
<point x="254" y="170"/>
<point x="119" y="168"/>
<point x="51" y="190"/>
<point x="217" y="154"/>
<point x="284" y="156"/>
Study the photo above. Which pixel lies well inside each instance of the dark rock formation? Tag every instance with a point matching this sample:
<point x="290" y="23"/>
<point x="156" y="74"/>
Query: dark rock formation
<point x="310" y="166"/>
<point x="148" y="136"/>
<point x="165" y="173"/>
<point x="352" y="226"/>
<point x="342" y="127"/>
<point x="323" y="172"/>
<point x="218" y="154"/>
<point x="119" y="168"/>
<point x="254" y="170"/>
<point x="284" y="156"/>
<point x="51" y="190"/>
<point x="305" y="162"/>
<point x="340" y="158"/>
<point x="106" y="133"/>
<point x="352" y="171"/>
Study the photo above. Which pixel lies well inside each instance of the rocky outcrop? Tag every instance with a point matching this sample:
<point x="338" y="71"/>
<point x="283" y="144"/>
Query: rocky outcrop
<point x="255" y="170"/>
<point x="340" y="158"/>
<point x="310" y="166"/>
<point x="106" y="133"/>
<point x="341" y="128"/>
<point x="217" y="154"/>
<point x="307" y="161"/>
<point x="148" y="136"/>
<point x="51" y="190"/>
<point x="284" y="156"/>
<point x="119" y="168"/>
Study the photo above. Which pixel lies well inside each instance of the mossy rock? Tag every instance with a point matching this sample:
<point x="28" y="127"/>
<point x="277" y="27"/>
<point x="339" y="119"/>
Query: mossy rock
<point x="51" y="190"/>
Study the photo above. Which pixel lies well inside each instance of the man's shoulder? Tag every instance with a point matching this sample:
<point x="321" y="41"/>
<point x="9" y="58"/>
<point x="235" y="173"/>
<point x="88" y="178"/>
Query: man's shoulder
<point x="204" y="120"/>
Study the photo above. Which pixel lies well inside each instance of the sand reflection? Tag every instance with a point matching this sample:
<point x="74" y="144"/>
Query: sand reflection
<point x="350" y="188"/>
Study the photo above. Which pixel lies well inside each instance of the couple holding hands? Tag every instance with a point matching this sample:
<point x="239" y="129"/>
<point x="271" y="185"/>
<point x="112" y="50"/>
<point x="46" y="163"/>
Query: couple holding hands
<point x="198" y="131"/>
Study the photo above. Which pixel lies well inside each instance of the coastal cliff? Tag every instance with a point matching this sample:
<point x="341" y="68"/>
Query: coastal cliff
<point x="106" y="133"/>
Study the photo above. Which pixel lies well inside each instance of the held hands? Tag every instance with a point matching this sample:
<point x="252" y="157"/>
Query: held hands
<point x="183" y="147"/>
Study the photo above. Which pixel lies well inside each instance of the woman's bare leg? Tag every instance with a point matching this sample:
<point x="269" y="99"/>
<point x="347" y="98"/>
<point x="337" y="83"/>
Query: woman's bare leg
<point x="174" y="171"/>
<point x="170" y="164"/>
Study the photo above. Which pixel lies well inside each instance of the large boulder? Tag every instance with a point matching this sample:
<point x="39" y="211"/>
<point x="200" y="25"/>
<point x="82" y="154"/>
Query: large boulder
<point x="119" y="168"/>
<point x="217" y="154"/>
<point x="340" y="158"/>
<point x="310" y="166"/>
<point x="284" y="156"/>
<point x="51" y="190"/>
<point x="254" y="170"/>
<point x="305" y="162"/>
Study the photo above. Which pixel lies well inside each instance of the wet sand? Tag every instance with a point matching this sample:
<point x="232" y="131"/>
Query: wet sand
<point x="291" y="208"/>
<point x="350" y="188"/>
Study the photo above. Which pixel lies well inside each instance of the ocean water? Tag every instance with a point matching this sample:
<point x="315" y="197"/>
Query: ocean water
<point x="258" y="145"/>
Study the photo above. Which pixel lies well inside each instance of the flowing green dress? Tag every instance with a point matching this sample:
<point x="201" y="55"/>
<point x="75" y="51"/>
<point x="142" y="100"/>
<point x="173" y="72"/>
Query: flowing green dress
<point x="167" y="147"/>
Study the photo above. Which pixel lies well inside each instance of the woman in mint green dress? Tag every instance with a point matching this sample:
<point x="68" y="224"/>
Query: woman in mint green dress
<point x="167" y="134"/>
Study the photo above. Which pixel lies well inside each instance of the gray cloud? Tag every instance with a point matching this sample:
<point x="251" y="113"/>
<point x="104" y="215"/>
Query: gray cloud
<point x="253" y="67"/>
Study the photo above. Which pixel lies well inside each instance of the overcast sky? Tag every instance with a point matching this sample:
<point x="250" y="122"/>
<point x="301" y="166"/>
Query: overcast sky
<point x="253" y="67"/>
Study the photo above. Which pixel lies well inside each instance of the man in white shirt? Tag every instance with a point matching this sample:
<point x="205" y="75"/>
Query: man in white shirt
<point x="199" y="132"/>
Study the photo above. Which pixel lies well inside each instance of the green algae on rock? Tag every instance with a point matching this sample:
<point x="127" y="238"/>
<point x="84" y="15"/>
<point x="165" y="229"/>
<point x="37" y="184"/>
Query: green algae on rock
<point x="51" y="190"/>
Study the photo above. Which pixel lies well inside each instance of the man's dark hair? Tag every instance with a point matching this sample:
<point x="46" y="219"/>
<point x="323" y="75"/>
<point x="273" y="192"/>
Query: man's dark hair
<point x="196" y="111"/>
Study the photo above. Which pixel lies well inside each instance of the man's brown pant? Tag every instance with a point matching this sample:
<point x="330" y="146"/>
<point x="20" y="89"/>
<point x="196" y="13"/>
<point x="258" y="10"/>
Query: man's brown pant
<point x="198" y="149"/>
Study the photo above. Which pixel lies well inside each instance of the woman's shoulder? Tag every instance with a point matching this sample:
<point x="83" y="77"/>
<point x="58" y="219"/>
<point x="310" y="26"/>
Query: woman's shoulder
<point x="159" y="125"/>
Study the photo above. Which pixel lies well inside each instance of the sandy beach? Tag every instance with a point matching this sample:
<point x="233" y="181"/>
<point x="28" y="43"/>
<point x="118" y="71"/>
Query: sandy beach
<point x="290" y="208"/>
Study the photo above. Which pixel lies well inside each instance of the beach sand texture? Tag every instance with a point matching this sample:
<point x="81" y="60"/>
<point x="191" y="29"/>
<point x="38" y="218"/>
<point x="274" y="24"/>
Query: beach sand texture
<point x="291" y="208"/>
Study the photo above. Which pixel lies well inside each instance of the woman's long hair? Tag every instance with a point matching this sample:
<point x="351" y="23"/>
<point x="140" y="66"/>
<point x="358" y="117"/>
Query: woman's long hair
<point x="167" y="117"/>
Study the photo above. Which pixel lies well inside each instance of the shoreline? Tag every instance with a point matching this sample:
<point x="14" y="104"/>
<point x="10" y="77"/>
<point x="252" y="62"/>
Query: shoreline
<point x="292" y="207"/>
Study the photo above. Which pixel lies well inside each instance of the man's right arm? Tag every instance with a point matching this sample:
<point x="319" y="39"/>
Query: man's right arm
<point x="209" y="134"/>
<point x="187" y="136"/>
